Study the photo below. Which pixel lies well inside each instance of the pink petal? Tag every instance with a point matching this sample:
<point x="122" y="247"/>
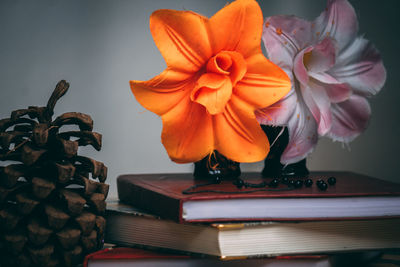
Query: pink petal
<point x="303" y="135"/>
<point x="322" y="56"/>
<point x="284" y="37"/>
<point x="338" y="21"/>
<point x="279" y="113"/>
<point x="317" y="100"/>
<point x="360" y="65"/>
<point x="302" y="127"/>
<point x="338" y="92"/>
<point x="349" y="118"/>
<point x="299" y="69"/>
<point x="323" y="77"/>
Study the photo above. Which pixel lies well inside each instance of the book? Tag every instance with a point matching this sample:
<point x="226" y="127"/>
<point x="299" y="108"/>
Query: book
<point x="129" y="226"/>
<point x="126" y="257"/>
<point x="354" y="196"/>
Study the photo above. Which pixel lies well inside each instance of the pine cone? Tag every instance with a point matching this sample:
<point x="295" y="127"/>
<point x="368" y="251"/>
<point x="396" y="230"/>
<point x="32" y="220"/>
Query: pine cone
<point x="51" y="206"/>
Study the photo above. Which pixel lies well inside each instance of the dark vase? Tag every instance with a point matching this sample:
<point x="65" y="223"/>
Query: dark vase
<point x="216" y="168"/>
<point x="273" y="168"/>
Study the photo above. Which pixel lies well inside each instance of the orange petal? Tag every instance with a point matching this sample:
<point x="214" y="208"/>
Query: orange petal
<point x="263" y="84"/>
<point x="187" y="132"/>
<point x="238" y="135"/>
<point x="229" y="63"/>
<point x="182" y="38"/>
<point x="239" y="66"/>
<point x="220" y="63"/>
<point x="212" y="91"/>
<point x="164" y="91"/>
<point x="237" y="27"/>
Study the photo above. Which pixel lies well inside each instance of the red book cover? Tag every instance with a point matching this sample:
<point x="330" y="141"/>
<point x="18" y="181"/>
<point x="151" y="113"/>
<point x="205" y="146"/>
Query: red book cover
<point x="112" y="256"/>
<point x="353" y="196"/>
<point x="128" y="254"/>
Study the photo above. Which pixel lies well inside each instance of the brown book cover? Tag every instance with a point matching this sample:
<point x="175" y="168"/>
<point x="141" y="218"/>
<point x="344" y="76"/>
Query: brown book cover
<point x="354" y="196"/>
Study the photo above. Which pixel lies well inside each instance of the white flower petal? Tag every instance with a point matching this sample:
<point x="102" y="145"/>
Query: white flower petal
<point x="323" y="77"/>
<point x="303" y="135"/>
<point x="349" y="118"/>
<point x="279" y="113"/>
<point x="338" y="21"/>
<point x="317" y="100"/>
<point x="322" y="56"/>
<point x="360" y="65"/>
<point x="284" y="37"/>
<point x="338" y="92"/>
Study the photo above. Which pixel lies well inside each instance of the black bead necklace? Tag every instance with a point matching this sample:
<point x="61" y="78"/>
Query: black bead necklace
<point x="292" y="184"/>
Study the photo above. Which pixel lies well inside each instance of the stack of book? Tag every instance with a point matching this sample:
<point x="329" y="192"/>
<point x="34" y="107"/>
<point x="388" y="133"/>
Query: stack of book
<point x="221" y="225"/>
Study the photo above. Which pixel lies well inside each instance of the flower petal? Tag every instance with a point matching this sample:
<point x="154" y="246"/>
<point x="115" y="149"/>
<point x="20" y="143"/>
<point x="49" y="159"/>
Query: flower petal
<point x="349" y="118"/>
<point x="339" y="21"/>
<point x="230" y="63"/>
<point x="164" y="91"/>
<point x="299" y="68"/>
<point x="237" y="27"/>
<point x="187" y="133"/>
<point x="360" y="65"/>
<point x="322" y="57"/>
<point x="212" y="91"/>
<point x="303" y="135"/>
<point x="220" y="63"/>
<point x="314" y="61"/>
<point x="263" y="84"/>
<point x="238" y="135"/>
<point x="338" y="92"/>
<point x="323" y="77"/>
<point x="279" y="113"/>
<point x="239" y="67"/>
<point x="182" y="38"/>
<point x="317" y="100"/>
<point x="284" y="37"/>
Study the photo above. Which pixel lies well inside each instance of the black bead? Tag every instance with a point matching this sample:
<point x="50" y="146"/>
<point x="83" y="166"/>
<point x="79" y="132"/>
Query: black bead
<point x="214" y="172"/>
<point x="285" y="180"/>
<point x="291" y="183"/>
<point x="320" y="181"/>
<point x="332" y="180"/>
<point x="215" y="175"/>
<point x="298" y="183"/>
<point x="239" y="183"/>
<point x="322" y="186"/>
<point x="217" y="179"/>
<point x="274" y="183"/>
<point x="308" y="183"/>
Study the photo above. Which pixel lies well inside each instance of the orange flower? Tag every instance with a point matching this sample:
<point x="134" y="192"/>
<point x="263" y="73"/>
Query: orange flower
<point x="216" y="77"/>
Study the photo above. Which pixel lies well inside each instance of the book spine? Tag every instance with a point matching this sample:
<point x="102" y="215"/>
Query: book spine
<point x="156" y="203"/>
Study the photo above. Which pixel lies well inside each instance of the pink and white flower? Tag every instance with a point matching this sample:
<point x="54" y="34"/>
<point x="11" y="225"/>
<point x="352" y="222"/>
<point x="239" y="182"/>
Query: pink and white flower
<point x="332" y="71"/>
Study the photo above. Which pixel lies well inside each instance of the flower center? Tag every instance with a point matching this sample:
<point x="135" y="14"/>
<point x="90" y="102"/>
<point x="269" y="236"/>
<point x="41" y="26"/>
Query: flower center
<point x="307" y="59"/>
<point x="214" y="88"/>
<point x="221" y="63"/>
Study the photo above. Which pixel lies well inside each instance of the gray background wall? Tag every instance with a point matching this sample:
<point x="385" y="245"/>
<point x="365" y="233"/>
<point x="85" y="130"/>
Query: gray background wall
<point x="99" y="45"/>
